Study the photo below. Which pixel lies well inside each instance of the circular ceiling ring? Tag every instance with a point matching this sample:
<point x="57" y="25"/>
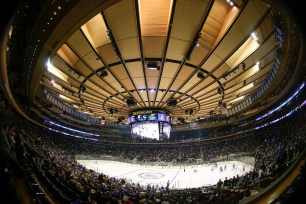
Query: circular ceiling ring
<point x="105" y="101"/>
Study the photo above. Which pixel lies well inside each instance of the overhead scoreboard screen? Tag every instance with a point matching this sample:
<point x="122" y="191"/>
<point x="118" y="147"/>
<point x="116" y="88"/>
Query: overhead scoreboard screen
<point x="150" y="125"/>
<point x="155" y="117"/>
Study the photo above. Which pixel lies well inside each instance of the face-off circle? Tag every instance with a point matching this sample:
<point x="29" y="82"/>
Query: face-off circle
<point x="151" y="175"/>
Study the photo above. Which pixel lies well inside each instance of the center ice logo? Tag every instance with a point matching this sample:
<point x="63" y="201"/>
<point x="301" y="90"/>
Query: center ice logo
<point x="151" y="175"/>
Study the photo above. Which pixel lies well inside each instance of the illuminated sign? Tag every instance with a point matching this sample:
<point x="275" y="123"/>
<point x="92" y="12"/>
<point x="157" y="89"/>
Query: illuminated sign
<point x="150" y="117"/>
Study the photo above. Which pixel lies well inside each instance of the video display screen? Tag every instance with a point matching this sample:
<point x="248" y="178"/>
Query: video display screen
<point x="150" y="129"/>
<point x="150" y="117"/>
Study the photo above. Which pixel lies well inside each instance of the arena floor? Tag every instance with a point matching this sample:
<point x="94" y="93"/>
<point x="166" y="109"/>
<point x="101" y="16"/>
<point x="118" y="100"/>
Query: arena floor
<point x="178" y="176"/>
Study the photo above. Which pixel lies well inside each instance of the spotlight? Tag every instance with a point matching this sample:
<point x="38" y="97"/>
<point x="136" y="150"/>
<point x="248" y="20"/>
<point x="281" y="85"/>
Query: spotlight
<point x="243" y="65"/>
<point x="219" y="91"/>
<point x="190" y="111"/>
<point x="130" y="102"/>
<point x="83" y="89"/>
<point x="172" y="102"/>
<point x="153" y="66"/>
<point x="103" y="74"/>
<point x="200" y="75"/>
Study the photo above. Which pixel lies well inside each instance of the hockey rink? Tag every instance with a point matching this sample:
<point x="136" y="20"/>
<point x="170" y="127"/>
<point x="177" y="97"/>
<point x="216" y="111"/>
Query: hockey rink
<point x="178" y="176"/>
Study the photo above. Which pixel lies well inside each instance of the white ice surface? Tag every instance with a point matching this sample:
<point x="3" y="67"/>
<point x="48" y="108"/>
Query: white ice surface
<point x="204" y="175"/>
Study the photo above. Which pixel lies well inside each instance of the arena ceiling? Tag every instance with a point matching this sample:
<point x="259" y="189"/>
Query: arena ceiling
<point x="184" y="56"/>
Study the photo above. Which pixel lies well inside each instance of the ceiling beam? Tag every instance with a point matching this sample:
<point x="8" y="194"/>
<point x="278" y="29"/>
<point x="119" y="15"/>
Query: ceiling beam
<point x="225" y="58"/>
<point x="220" y="65"/>
<point x="141" y="49"/>
<point x="189" y="52"/>
<point x="103" y="62"/>
<point x="121" y="59"/>
<point x="165" y="49"/>
<point x="85" y="78"/>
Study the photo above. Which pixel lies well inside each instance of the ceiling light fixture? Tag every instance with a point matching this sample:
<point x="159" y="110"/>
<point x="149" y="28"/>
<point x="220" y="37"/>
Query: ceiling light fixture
<point x="230" y="2"/>
<point x="254" y="36"/>
<point x="153" y="66"/>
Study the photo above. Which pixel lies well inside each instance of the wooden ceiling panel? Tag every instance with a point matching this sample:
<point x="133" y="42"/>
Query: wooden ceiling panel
<point x="169" y="70"/>
<point x="246" y="49"/>
<point x="136" y="96"/>
<point x="228" y="21"/>
<point x="135" y="69"/>
<point x="152" y="73"/>
<point x="188" y="85"/>
<point x="212" y="62"/>
<point x="167" y="97"/>
<point x="110" y="79"/>
<point x="95" y="30"/>
<point x="206" y="96"/>
<point x="91" y="59"/>
<point x="108" y="54"/>
<point x="177" y="49"/>
<point x="176" y="84"/>
<point x="206" y="41"/>
<point x="119" y="72"/>
<point x="187" y="19"/>
<point x="128" y="84"/>
<point x="209" y="36"/>
<point x="118" y="101"/>
<point x="63" y="66"/>
<point x="82" y="68"/>
<point x="253" y="71"/>
<point x="203" y="84"/>
<point x="117" y="86"/>
<point x="232" y="90"/>
<point x="153" y="46"/>
<point x="129" y="48"/>
<point x="229" y="43"/>
<point x="266" y="27"/>
<point x="143" y="95"/>
<point x="185" y="73"/>
<point x="97" y="80"/>
<point x="96" y="88"/>
<point x="198" y="54"/>
<point x="139" y="82"/>
<point x="159" y="95"/>
<point x="121" y="19"/>
<point x="211" y="87"/>
<point x="151" y="95"/>
<point x="154" y="17"/>
<point x="250" y="17"/>
<point x="73" y="83"/>
<point x="89" y="97"/>
<point x="78" y="43"/>
<point x="66" y="54"/>
<point x="264" y="50"/>
<point x="223" y="69"/>
<point x="164" y="83"/>
<point x="152" y="82"/>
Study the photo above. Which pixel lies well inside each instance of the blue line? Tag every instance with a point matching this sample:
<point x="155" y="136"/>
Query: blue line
<point x="131" y="172"/>
<point x="175" y="176"/>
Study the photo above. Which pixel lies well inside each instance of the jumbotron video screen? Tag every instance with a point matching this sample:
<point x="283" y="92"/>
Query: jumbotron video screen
<point x="154" y="125"/>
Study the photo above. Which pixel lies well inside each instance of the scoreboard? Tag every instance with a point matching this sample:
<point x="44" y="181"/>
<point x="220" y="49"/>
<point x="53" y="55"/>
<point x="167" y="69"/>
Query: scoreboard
<point x="157" y="117"/>
<point x="151" y="124"/>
